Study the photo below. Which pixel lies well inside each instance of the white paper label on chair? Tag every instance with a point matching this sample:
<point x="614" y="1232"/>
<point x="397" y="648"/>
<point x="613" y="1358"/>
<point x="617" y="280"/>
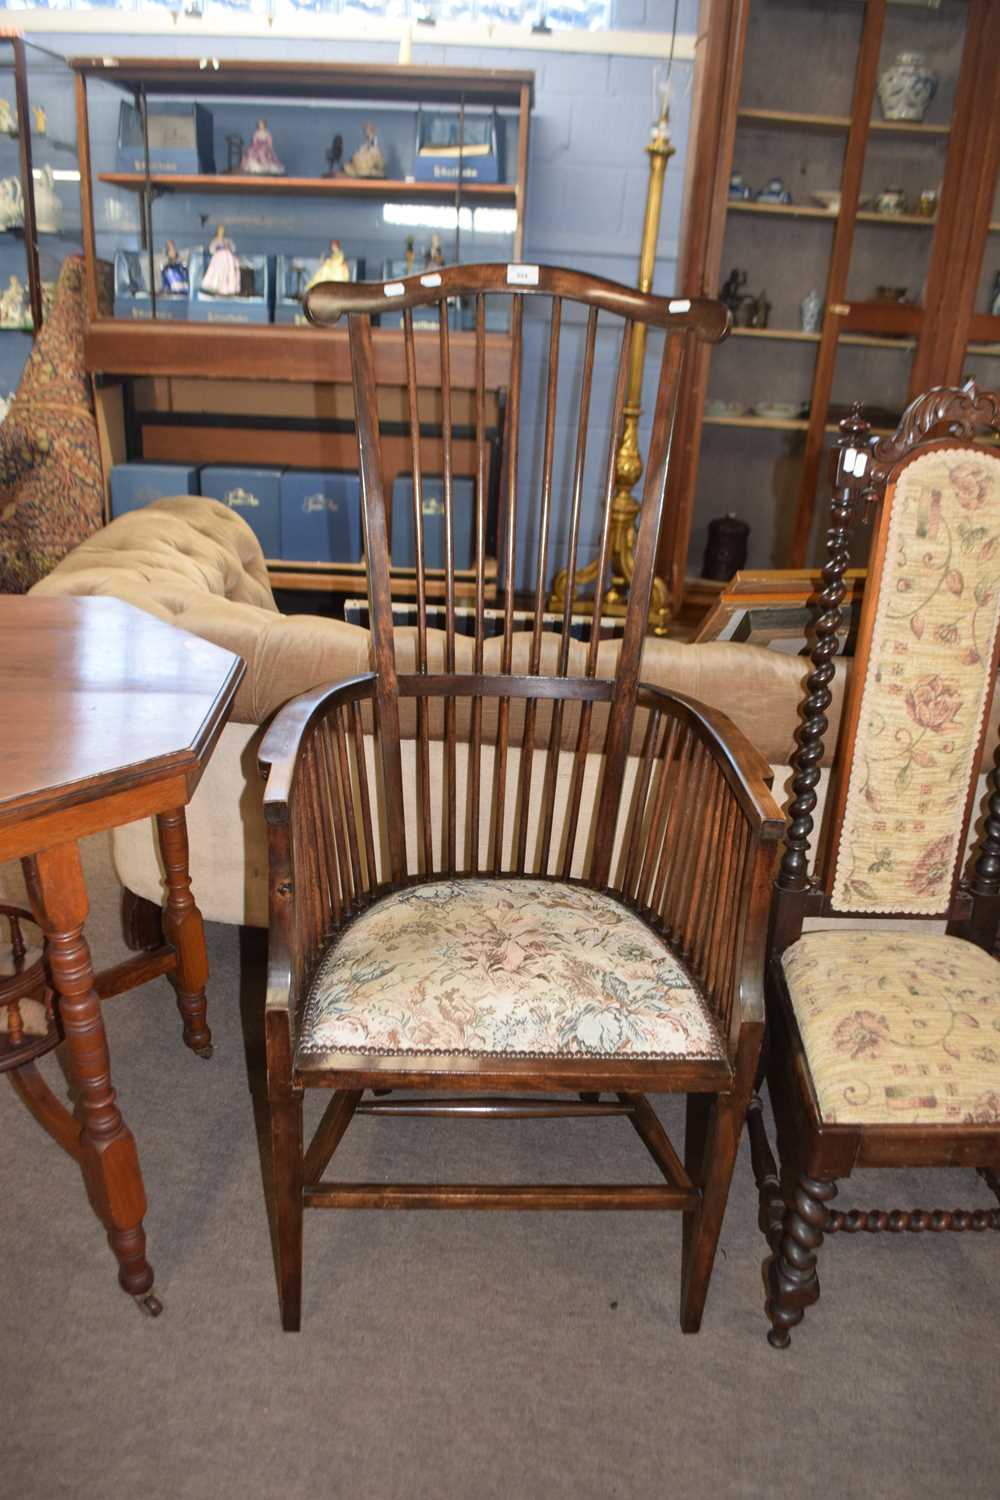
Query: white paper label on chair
<point x="432" y="280"/>
<point x="681" y="305"/>
<point x="393" y="289"/>
<point x="522" y="275"/>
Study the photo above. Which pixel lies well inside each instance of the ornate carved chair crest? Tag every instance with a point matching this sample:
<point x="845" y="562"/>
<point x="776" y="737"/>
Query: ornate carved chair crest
<point x="538" y="930"/>
<point x="884" y="1046"/>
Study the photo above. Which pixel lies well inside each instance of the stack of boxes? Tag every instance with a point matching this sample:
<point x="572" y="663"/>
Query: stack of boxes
<point x="307" y="515"/>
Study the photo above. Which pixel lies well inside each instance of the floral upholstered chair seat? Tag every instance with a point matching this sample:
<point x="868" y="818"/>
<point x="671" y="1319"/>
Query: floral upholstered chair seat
<point x="504" y="968"/>
<point x="898" y="1028"/>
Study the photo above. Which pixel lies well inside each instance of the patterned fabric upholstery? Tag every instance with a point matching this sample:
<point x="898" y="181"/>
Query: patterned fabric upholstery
<point x="51" y="484"/>
<point x="898" y="1028"/>
<point x="926" y="689"/>
<point x="504" y="968"/>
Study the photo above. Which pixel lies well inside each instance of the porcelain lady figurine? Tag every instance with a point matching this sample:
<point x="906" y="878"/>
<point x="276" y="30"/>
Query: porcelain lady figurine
<point x="40" y="118"/>
<point x="435" y="252"/>
<point x="367" y="160"/>
<point x="907" y="87"/>
<point x="174" y="273"/>
<point x="222" y="274"/>
<point x="14" y="312"/>
<point x="11" y="202"/>
<point x="260" y="158"/>
<point x="48" y="208"/>
<point x="333" y="267"/>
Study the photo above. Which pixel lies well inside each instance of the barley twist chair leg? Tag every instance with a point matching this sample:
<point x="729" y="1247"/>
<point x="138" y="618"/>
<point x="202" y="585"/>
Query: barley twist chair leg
<point x="793" y="1284"/>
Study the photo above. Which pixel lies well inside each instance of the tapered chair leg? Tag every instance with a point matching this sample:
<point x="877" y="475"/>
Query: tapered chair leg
<point x="713" y="1136"/>
<point x="286" y="1169"/>
<point x="791" y="1276"/>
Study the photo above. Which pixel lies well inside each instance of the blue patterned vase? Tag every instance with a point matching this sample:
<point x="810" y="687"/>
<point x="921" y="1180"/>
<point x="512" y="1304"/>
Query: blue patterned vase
<point x="907" y="87"/>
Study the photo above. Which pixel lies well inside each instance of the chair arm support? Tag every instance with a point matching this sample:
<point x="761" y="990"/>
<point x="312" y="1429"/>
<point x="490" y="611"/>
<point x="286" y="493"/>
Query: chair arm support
<point x="700" y="849"/>
<point x="321" y="841"/>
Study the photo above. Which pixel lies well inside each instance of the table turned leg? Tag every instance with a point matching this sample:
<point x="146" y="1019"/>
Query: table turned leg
<point x="108" y="1155"/>
<point x="185" y="932"/>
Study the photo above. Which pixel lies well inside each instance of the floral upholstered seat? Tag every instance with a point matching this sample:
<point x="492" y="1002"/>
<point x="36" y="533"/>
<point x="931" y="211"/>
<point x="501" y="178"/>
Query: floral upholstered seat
<point x="504" y="968"/>
<point x="898" y="1028"/>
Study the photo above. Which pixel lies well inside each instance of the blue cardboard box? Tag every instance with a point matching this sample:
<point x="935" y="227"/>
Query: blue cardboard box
<point x="135" y="485"/>
<point x="254" y="493"/>
<point x="252" y="307"/>
<point x="180" y="138"/>
<point x="132" y="299"/>
<point x="463" y="499"/>
<point x="449" y="142"/>
<point x="320" y="516"/>
<point x="292" y="276"/>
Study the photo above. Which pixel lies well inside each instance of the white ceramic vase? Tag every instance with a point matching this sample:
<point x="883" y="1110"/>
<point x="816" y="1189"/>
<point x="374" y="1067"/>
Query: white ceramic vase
<point x="906" y="87"/>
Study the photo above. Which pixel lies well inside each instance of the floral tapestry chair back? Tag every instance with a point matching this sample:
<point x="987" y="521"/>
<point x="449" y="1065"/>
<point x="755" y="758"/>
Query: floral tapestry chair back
<point x="922" y="684"/>
<point x="885" y="1045"/>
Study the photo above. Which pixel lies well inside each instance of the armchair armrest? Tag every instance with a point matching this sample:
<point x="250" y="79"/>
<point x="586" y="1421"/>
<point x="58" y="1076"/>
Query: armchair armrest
<point x="700" y="849"/>
<point x="321" y="842"/>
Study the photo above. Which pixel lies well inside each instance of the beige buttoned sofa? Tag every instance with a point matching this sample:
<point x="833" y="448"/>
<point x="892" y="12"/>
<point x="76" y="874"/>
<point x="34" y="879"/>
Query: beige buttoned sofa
<point x="197" y="564"/>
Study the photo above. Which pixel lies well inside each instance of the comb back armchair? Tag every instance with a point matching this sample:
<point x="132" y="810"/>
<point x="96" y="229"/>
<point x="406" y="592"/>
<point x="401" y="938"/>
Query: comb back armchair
<point x="543" y="934"/>
<point x="884" y="1047"/>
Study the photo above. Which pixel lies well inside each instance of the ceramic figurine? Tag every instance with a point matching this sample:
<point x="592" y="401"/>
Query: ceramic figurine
<point x="737" y="187"/>
<point x="761" y="311"/>
<point x="926" y="204"/>
<point x="48" y="208"/>
<point x="260" y="158"/>
<point x="14" y="311"/>
<point x="891" y="200"/>
<point x="335" y="158"/>
<point x="811" y="312"/>
<point x="174" y="274"/>
<point x="774" y="192"/>
<point x="732" y="289"/>
<point x="333" y="267"/>
<point x="41" y="119"/>
<point x="8" y="123"/>
<point x="11" y="202"/>
<point x="435" y="253"/>
<point x="367" y="160"/>
<point x="409" y="254"/>
<point x="222" y="274"/>
<point x="995" y="297"/>
<point x="906" y="88"/>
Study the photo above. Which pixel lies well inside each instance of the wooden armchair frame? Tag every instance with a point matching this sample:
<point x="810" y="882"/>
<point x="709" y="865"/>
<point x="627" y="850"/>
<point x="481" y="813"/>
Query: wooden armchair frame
<point x="698" y="839"/>
<point x="794" y="1200"/>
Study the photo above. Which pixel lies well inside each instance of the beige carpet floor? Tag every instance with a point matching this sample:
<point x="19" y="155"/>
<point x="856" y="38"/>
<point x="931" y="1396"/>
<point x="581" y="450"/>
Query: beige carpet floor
<point x="454" y="1356"/>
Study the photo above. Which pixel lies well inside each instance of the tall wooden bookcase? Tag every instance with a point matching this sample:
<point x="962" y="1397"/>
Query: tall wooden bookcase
<point x="785" y="87"/>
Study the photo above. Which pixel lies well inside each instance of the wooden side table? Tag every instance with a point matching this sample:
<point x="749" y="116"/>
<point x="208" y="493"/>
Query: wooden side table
<point x="109" y="716"/>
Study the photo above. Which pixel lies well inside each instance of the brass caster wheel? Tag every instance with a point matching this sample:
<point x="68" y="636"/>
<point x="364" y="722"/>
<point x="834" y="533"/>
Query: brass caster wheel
<point x="150" y="1304"/>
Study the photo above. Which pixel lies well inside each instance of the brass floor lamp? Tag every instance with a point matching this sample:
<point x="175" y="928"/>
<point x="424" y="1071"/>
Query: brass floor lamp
<point x="628" y="463"/>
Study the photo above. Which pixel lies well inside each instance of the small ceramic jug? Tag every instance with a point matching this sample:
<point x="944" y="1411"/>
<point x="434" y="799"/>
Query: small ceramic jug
<point x="11" y="203"/>
<point x="891" y="200"/>
<point x="906" y="88"/>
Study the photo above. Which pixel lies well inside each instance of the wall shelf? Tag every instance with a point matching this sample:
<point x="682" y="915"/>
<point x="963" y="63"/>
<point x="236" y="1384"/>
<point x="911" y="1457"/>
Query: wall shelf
<point x="357" y="187"/>
<point x="782" y="210"/>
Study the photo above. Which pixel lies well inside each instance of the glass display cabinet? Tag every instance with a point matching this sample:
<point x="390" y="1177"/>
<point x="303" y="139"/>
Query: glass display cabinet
<point x="844" y="203"/>
<point x="39" y="195"/>
<point x="216" y="192"/>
